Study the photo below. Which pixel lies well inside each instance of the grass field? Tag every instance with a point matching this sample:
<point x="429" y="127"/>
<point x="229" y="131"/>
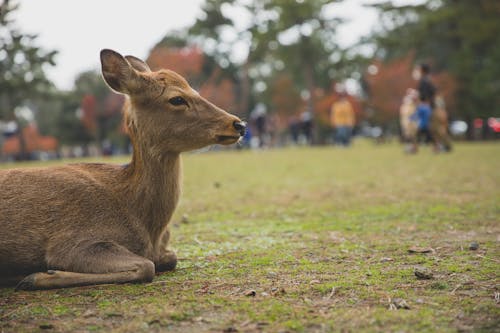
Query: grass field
<point x="309" y="240"/>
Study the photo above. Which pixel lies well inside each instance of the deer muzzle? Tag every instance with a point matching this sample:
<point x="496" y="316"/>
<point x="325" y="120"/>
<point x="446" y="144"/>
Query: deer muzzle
<point x="240" y="127"/>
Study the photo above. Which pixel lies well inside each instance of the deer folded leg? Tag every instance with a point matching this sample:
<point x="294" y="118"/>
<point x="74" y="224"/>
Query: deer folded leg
<point x="96" y="263"/>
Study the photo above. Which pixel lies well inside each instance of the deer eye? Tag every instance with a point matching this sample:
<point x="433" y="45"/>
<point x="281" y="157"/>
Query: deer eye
<point x="178" y="100"/>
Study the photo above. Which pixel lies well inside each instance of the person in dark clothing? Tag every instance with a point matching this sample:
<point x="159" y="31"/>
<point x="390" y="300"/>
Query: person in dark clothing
<point x="426" y="89"/>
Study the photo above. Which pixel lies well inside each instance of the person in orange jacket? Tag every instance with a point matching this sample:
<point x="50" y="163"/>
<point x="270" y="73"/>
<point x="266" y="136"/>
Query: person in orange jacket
<point x="342" y="120"/>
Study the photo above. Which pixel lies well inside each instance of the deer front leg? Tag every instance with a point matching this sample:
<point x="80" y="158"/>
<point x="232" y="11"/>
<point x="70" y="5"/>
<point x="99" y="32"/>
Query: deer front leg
<point x="94" y="263"/>
<point x="168" y="259"/>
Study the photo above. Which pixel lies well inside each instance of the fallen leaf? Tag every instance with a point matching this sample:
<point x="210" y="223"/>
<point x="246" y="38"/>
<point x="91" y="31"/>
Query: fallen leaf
<point x="416" y="249"/>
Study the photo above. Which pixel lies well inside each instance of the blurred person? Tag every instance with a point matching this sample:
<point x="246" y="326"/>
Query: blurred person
<point x="342" y="120"/>
<point x="478" y="128"/>
<point x="427" y="95"/>
<point x="259" y="118"/>
<point x="426" y="89"/>
<point x="423" y="118"/>
<point x="294" y="129"/>
<point x="439" y="126"/>
<point x="246" y="142"/>
<point x="306" y="125"/>
<point x="408" y="123"/>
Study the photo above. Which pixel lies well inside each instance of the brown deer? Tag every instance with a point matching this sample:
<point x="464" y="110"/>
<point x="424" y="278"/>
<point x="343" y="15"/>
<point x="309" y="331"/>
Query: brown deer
<point x="85" y="224"/>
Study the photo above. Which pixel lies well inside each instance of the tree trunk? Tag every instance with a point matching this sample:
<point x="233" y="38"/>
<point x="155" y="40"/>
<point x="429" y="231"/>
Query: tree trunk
<point x="308" y="72"/>
<point x="244" y="91"/>
<point x="1" y="146"/>
<point x="23" y="149"/>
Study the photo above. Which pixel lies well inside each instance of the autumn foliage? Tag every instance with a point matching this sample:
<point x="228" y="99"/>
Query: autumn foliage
<point x="285" y="98"/>
<point x="387" y="84"/>
<point x="95" y="112"/>
<point x="88" y="113"/>
<point x="189" y="62"/>
<point x="33" y="142"/>
<point x="220" y="91"/>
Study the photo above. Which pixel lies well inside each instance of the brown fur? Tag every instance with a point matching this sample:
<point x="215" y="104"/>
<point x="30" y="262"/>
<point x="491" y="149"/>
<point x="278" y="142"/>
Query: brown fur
<point x="99" y="223"/>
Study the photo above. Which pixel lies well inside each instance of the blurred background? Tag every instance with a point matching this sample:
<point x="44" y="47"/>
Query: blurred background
<point x="279" y="64"/>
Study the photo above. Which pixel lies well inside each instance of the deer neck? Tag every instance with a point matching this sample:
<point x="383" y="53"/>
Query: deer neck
<point x="154" y="185"/>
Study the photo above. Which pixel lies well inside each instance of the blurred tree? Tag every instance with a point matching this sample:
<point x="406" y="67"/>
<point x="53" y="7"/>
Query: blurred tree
<point x="219" y="35"/>
<point x="61" y="116"/>
<point x="387" y="84"/>
<point x="273" y="38"/>
<point x="70" y="128"/>
<point x="22" y="75"/>
<point x="220" y="91"/>
<point x="460" y="36"/>
<point x="299" y="37"/>
<point x="208" y="29"/>
<point x="100" y="109"/>
<point x="284" y="95"/>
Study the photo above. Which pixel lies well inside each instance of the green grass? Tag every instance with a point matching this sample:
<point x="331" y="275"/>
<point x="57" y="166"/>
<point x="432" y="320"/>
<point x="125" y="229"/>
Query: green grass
<point x="321" y="235"/>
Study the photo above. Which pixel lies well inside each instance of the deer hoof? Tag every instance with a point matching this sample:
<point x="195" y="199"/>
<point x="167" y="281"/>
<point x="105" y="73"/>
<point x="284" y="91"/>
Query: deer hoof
<point x="28" y="283"/>
<point x="168" y="262"/>
<point x="167" y="266"/>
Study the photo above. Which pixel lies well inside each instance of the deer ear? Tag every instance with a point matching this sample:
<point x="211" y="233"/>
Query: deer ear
<point x="116" y="71"/>
<point x="138" y="64"/>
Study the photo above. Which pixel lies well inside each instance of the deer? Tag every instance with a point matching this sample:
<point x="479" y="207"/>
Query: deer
<point x="90" y="223"/>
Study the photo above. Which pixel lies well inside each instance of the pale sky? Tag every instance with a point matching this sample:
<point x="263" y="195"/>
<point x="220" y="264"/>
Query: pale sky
<point x="79" y="29"/>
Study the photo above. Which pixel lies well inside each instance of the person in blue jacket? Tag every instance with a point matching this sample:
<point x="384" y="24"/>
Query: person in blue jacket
<point x="422" y="117"/>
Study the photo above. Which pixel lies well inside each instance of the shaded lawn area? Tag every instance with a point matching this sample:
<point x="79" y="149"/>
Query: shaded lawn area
<point x="309" y="239"/>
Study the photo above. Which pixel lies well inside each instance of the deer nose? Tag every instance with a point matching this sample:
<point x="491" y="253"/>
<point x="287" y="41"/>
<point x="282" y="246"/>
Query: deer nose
<point x="240" y="126"/>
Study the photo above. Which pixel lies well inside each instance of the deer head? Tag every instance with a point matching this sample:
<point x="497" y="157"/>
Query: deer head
<point x="165" y="114"/>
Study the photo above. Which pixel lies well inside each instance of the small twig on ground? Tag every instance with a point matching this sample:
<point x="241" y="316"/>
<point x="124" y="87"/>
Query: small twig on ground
<point x="481" y="256"/>
<point x="331" y="293"/>
<point x="197" y="240"/>
<point x="455" y="289"/>
<point x="431" y="303"/>
<point x="8" y="314"/>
